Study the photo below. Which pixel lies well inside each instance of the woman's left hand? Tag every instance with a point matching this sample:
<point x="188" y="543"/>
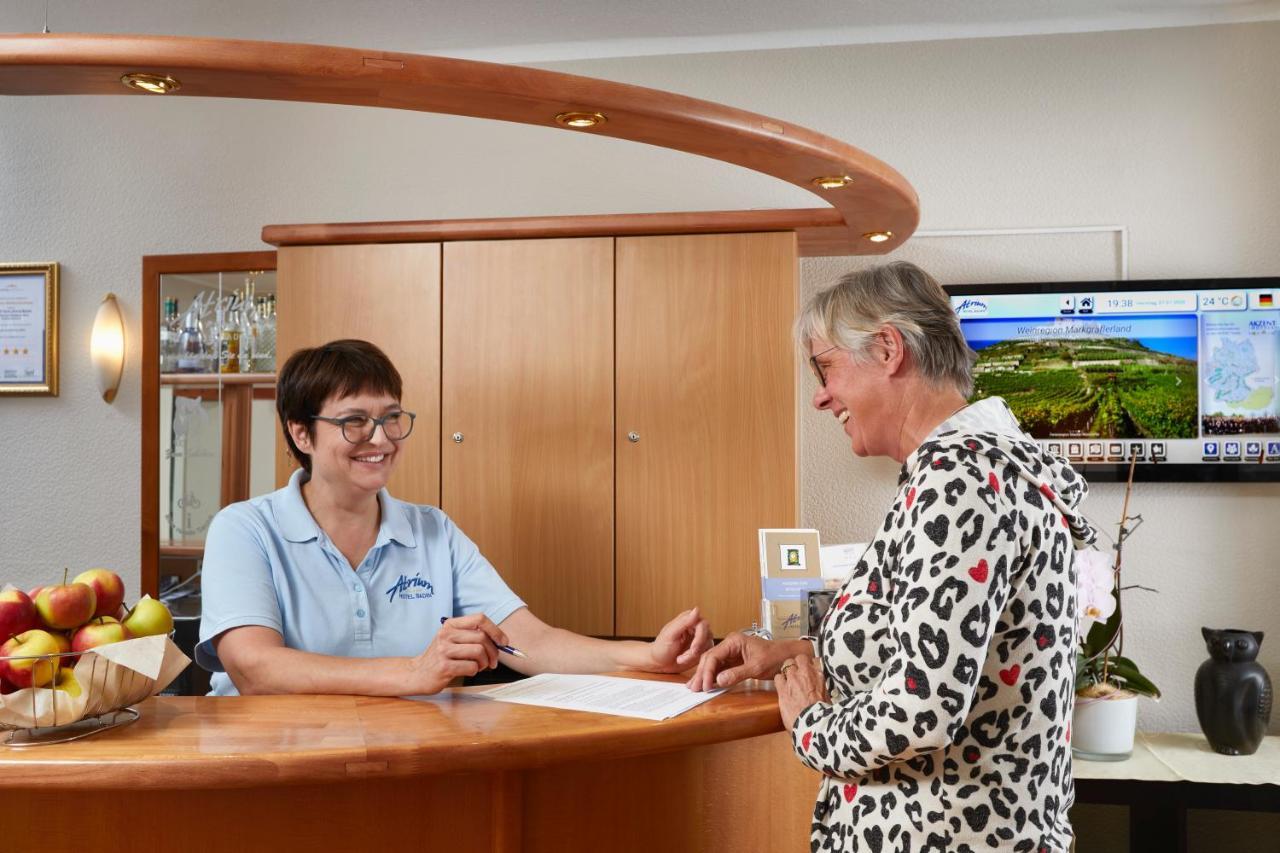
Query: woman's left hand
<point x="799" y="684"/>
<point x="680" y="643"/>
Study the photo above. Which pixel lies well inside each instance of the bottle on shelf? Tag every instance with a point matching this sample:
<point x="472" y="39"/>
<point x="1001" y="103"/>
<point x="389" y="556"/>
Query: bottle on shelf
<point x="265" y="348"/>
<point x="229" y="337"/>
<point x="248" y="324"/>
<point x="190" y="356"/>
<point x="212" y="310"/>
<point x="170" y="329"/>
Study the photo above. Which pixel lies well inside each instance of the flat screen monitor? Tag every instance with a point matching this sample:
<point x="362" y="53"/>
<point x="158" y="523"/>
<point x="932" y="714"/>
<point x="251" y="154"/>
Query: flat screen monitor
<point x="1181" y="375"/>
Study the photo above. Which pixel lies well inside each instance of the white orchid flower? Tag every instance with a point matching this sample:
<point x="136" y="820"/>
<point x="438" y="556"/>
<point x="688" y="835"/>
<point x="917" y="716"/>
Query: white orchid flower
<point x="1095" y="588"/>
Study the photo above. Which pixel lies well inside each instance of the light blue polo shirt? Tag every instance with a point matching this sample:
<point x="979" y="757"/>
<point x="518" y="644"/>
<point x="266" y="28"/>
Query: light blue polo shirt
<point x="267" y="562"/>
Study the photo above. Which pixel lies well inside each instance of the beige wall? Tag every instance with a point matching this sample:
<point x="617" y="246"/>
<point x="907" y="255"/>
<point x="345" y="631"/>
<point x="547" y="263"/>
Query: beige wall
<point x="1172" y="133"/>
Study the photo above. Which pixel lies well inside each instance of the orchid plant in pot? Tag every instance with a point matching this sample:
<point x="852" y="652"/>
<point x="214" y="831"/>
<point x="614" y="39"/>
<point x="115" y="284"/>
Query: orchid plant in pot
<point x="1108" y="684"/>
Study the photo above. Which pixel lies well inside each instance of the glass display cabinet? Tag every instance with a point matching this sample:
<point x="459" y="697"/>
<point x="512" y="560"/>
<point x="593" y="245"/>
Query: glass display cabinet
<point x="208" y="415"/>
<point x="216" y="398"/>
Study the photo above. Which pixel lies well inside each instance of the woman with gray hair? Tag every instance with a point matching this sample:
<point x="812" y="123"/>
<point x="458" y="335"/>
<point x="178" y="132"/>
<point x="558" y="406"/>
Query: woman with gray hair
<point x="936" y="700"/>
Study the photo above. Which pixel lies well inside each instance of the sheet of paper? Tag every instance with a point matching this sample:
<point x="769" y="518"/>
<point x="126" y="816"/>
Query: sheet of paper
<point x="602" y="694"/>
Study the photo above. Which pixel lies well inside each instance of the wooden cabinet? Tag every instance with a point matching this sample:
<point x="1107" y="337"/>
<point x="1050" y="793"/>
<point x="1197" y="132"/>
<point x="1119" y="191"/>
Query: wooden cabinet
<point x="624" y="407"/>
<point x="527" y="387"/>
<point x="706" y="382"/>
<point x="387" y="294"/>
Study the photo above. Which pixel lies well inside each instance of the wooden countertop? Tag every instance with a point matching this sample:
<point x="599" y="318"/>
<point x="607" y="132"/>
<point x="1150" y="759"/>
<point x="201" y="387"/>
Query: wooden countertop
<point x="200" y="742"/>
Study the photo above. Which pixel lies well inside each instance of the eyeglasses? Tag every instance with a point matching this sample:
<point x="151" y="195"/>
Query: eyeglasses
<point x="817" y="368"/>
<point x="358" y="429"/>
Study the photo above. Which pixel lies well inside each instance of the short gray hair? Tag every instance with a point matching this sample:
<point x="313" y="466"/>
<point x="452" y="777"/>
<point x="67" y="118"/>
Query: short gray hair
<point x="851" y="312"/>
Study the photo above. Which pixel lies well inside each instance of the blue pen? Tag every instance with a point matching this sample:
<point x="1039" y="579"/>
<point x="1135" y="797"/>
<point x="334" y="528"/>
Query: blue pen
<point x="511" y="650"/>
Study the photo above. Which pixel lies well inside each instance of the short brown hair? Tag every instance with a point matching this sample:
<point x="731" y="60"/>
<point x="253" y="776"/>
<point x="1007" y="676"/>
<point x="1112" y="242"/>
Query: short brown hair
<point x="336" y="369"/>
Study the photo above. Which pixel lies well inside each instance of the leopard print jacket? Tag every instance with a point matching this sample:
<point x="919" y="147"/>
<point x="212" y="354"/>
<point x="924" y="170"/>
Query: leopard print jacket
<point x="949" y="656"/>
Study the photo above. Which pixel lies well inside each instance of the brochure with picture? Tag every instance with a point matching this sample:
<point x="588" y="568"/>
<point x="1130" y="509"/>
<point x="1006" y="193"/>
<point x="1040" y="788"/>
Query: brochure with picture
<point x="790" y="566"/>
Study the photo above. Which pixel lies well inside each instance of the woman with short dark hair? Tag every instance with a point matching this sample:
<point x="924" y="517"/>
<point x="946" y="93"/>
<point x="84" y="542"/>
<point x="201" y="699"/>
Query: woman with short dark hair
<point x="330" y="585"/>
<point x="936" y="700"/>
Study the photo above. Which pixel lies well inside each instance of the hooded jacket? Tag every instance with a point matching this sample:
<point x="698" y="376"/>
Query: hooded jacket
<point x="949" y="655"/>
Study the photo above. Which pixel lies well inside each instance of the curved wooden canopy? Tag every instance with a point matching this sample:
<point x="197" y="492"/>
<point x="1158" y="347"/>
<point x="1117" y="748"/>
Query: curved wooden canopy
<point x="877" y="199"/>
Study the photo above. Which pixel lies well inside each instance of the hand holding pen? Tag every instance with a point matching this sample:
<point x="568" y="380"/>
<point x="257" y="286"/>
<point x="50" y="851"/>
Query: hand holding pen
<point x="502" y="647"/>
<point x="462" y="647"/>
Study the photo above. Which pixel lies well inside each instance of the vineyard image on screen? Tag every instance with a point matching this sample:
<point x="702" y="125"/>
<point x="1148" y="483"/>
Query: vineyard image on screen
<point x="1134" y="377"/>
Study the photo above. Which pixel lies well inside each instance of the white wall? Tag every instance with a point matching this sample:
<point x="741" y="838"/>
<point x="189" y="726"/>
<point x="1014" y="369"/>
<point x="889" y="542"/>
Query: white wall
<point x="1172" y="133"/>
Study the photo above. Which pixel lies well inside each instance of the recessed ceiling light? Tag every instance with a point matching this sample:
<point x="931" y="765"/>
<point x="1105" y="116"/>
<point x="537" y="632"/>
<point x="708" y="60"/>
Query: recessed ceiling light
<point x="832" y="182"/>
<point x="156" y="84"/>
<point x="878" y="236"/>
<point x="580" y="119"/>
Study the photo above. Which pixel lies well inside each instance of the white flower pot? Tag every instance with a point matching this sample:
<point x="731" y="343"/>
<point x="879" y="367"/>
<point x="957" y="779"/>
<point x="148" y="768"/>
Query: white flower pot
<point x="1102" y="729"/>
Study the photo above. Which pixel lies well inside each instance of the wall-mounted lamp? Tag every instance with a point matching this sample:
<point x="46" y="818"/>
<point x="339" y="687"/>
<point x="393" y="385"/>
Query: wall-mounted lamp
<point x="106" y="346"/>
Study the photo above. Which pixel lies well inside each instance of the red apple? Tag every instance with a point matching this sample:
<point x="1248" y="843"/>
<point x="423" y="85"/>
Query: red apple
<point x="67" y="605"/>
<point x="147" y="618"/>
<point x="100" y="632"/>
<point x="21" y="668"/>
<point x="64" y="646"/>
<point x="5" y="687"/>
<point x="17" y="613"/>
<point x="107" y="587"/>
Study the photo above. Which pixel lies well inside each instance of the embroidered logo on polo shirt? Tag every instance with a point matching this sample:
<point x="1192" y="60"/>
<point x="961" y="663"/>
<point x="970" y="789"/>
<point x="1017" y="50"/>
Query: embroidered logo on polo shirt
<point x="410" y="587"/>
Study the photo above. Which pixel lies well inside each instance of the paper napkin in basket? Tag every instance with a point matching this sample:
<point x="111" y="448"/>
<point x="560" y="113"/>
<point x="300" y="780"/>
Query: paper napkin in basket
<point x="110" y="676"/>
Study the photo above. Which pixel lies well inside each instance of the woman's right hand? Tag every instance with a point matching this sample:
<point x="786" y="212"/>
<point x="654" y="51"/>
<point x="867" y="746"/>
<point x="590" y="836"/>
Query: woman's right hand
<point x="737" y="657"/>
<point x="463" y="646"/>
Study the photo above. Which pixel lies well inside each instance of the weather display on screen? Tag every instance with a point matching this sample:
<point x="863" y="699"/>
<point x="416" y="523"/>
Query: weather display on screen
<point x="1185" y="376"/>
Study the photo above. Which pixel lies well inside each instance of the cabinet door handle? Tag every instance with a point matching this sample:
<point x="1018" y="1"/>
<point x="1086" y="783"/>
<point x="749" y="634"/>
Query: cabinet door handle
<point x="457" y="437"/>
<point x="633" y="437"/>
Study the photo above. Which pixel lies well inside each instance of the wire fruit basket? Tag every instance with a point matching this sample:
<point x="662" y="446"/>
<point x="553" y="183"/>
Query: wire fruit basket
<point x="83" y="698"/>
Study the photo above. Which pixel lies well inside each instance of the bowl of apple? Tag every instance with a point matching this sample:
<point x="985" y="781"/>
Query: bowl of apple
<point x="73" y="658"/>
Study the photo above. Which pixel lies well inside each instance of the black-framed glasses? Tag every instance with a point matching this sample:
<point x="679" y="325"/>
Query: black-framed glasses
<point x="357" y="429"/>
<point x="817" y="368"/>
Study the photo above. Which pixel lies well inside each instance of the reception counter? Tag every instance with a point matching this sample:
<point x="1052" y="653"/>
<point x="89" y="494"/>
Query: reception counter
<point x="451" y="772"/>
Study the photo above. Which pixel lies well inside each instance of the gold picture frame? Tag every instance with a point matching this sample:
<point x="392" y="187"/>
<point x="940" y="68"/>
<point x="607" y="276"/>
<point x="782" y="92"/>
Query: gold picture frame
<point x="29" y="329"/>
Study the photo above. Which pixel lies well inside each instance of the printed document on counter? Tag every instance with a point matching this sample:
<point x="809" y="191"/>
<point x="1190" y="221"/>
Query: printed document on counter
<point x="602" y="694"/>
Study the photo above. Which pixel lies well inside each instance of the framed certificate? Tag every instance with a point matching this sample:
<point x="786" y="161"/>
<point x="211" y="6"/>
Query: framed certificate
<point x="29" y="329"/>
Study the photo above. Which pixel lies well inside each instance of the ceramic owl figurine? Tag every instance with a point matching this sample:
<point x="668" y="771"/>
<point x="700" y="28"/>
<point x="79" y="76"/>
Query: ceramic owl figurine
<point x="1233" y="692"/>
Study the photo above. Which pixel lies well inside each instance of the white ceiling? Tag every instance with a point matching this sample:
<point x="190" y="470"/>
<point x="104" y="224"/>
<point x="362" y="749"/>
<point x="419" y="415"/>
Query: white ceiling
<point x="550" y="30"/>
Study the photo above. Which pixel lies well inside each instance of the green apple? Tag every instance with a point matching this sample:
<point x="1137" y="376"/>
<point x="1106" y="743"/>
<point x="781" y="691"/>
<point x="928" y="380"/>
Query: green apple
<point x="108" y="590"/>
<point x="21" y="666"/>
<point x="66" y="605"/>
<point x="66" y="680"/>
<point x="148" y="618"/>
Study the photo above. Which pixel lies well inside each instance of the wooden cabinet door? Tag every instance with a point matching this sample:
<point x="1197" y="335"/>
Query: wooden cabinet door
<point x="528" y="388"/>
<point x="706" y="383"/>
<point x="388" y="294"/>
